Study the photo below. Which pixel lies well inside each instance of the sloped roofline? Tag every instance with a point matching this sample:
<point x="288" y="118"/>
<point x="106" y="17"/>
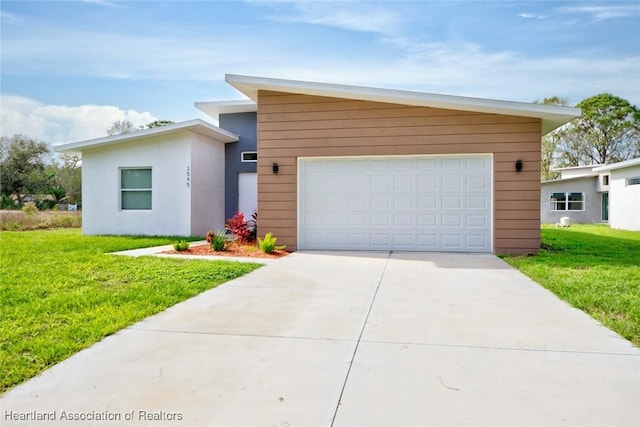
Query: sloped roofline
<point x="552" y="116"/>
<point x="198" y="126"/>
<point x="571" y="178"/>
<point x="619" y="165"/>
<point x="568" y="168"/>
<point x="215" y="108"/>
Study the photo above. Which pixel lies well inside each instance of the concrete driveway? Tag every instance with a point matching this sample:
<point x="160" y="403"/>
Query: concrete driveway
<point x="350" y="339"/>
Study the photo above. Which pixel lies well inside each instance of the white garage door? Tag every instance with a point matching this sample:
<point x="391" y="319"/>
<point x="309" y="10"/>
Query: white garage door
<point x="414" y="203"/>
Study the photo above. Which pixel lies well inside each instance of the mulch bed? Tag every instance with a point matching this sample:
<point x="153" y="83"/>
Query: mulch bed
<point x="235" y="249"/>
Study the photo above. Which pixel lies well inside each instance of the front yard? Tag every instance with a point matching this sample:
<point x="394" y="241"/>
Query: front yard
<point x="60" y="292"/>
<point x="594" y="268"/>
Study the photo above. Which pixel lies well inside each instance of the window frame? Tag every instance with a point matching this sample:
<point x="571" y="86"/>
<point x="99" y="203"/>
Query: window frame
<point x="566" y="202"/>
<point x="633" y="180"/>
<point x="604" y="206"/>
<point x="242" y="154"/>
<point x="137" y="190"/>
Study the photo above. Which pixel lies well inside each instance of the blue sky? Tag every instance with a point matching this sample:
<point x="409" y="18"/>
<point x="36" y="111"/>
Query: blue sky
<point x="72" y="68"/>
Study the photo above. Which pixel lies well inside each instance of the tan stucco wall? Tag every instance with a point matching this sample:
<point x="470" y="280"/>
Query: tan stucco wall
<point x="292" y="126"/>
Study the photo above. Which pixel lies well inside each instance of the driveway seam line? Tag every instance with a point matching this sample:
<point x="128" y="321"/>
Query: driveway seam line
<point x="364" y="325"/>
<point x="485" y="347"/>
<point x="167" y="331"/>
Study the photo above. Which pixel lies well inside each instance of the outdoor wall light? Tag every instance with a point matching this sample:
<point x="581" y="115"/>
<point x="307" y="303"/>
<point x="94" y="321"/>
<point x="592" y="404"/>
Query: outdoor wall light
<point x="274" y="168"/>
<point x="518" y="165"/>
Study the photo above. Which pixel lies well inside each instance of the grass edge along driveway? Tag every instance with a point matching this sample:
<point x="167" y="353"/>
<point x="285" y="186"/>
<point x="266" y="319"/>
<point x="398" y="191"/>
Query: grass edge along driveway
<point x="594" y="268"/>
<point x="61" y="292"/>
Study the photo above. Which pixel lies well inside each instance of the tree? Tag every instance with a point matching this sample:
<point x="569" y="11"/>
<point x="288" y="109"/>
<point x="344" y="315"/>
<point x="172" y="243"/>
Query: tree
<point x="121" y="127"/>
<point x="159" y="123"/>
<point x="57" y="192"/>
<point x="551" y="142"/>
<point x="66" y="179"/>
<point x="22" y="162"/>
<point x="608" y="130"/>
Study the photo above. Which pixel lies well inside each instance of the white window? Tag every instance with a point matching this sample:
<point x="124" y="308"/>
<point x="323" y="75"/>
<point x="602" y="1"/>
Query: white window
<point x="566" y="202"/>
<point x="249" y="156"/>
<point x="605" y="180"/>
<point x="633" y="181"/>
<point x="135" y="188"/>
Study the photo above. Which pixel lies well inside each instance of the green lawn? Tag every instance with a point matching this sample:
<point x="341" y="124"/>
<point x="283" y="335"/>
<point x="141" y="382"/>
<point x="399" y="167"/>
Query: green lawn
<point x="594" y="268"/>
<point x="60" y="292"/>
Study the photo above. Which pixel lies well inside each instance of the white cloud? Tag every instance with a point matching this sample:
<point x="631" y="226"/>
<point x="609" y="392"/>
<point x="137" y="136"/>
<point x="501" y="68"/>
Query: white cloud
<point x="352" y="16"/>
<point x="594" y="13"/>
<point x="601" y="13"/>
<point x="467" y="69"/>
<point x="56" y="124"/>
<point x="8" y="18"/>
<point x="102" y="3"/>
<point x="71" y="52"/>
<point x="531" y="16"/>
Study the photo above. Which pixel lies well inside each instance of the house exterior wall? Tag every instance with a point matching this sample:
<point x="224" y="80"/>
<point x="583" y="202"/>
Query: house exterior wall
<point x="168" y="156"/>
<point x="592" y="200"/>
<point x="207" y="184"/>
<point x="600" y="185"/>
<point x="243" y="125"/>
<point x="624" y="200"/>
<point x="292" y="126"/>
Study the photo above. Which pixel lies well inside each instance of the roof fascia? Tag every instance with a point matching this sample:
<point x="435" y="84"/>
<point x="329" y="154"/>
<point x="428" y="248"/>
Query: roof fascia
<point x="197" y="126"/>
<point x="214" y="108"/>
<point x="552" y="116"/>
<point x="620" y="165"/>
<point x="571" y="178"/>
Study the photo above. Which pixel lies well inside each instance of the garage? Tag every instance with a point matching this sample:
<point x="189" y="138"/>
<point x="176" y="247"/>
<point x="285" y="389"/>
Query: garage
<point x="362" y="168"/>
<point x="408" y="203"/>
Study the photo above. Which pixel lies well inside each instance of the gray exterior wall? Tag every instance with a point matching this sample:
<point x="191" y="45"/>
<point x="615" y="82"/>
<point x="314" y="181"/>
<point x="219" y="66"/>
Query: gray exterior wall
<point x="243" y="125"/>
<point x="592" y="199"/>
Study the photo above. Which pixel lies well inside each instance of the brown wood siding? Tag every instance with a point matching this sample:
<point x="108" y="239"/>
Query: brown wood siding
<point x="292" y="126"/>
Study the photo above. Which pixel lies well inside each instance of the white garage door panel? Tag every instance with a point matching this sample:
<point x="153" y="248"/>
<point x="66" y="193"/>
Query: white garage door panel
<point x="417" y="203"/>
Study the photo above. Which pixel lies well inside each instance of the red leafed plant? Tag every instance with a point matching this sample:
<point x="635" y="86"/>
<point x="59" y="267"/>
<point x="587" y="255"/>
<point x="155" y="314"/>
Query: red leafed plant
<point x="238" y="226"/>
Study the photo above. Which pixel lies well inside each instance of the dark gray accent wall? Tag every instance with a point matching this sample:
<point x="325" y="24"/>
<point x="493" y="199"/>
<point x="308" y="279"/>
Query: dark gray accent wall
<point x="243" y="125"/>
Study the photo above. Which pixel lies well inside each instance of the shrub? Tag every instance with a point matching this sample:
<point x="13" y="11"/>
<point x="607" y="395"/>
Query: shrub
<point x="219" y="241"/>
<point x="7" y="203"/>
<point x="17" y="220"/>
<point x="252" y="224"/>
<point x="268" y="244"/>
<point x="238" y="227"/>
<point x="29" y="208"/>
<point x="181" y="245"/>
<point x="45" y="205"/>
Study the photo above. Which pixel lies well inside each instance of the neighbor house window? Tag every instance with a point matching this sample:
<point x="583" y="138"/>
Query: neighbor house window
<point x="633" y="181"/>
<point x="566" y="202"/>
<point x="249" y="156"/>
<point x="605" y="179"/>
<point x="135" y="188"/>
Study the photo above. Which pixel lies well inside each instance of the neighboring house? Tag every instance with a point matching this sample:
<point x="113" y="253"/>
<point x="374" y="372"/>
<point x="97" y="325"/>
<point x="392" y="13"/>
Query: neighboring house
<point x="338" y="168"/>
<point x="594" y="193"/>
<point x="624" y="193"/>
<point x="577" y="194"/>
